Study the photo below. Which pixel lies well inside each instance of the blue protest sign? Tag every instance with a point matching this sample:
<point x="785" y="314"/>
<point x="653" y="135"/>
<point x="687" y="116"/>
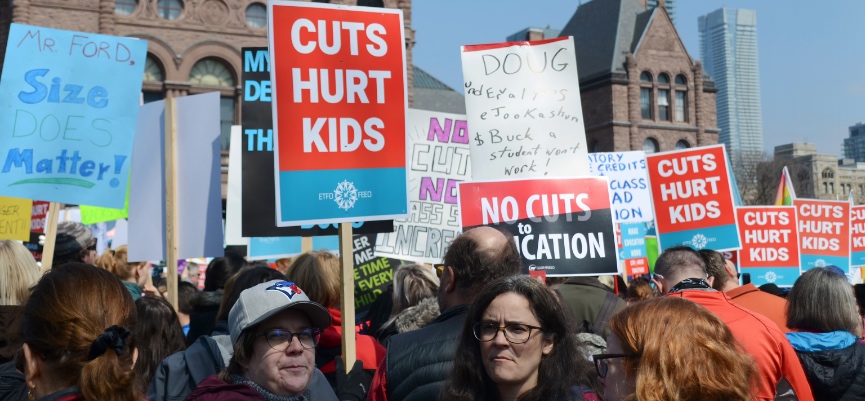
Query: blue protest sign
<point x="280" y="247"/>
<point x="68" y="107"/>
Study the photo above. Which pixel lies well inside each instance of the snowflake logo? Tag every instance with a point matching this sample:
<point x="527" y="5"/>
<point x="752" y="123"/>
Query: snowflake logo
<point x="819" y="263"/>
<point x="771" y="277"/>
<point x="699" y="241"/>
<point x="345" y="195"/>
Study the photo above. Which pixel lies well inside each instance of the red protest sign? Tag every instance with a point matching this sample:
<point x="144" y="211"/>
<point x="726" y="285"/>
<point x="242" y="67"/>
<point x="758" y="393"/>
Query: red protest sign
<point x="634" y="267"/>
<point x="693" y="198"/>
<point x="824" y="233"/>
<point x="563" y="226"/>
<point x="857" y="235"/>
<point x="38" y="215"/>
<point x="769" y="237"/>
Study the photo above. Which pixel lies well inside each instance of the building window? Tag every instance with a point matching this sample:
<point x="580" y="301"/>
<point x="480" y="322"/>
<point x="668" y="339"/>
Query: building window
<point x="681" y="101"/>
<point x="832" y="188"/>
<point x="256" y="15"/>
<point x="682" y="144"/>
<point x="825" y="187"/>
<point x="646" y="103"/>
<point x="663" y="104"/>
<point x="645" y="77"/>
<point x="169" y="9"/>
<point x="828" y="173"/>
<point x="148" y="96"/>
<point x="152" y="70"/>
<point x="680" y="80"/>
<point x="211" y="72"/>
<point x="125" y="7"/>
<point x="663" y="79"/>
<point x="650" y="145"/>
<point x="226" y="119"/>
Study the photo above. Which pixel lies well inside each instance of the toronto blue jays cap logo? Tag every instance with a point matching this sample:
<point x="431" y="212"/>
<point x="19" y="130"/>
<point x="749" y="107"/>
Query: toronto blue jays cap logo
<point x="286" y="287"/>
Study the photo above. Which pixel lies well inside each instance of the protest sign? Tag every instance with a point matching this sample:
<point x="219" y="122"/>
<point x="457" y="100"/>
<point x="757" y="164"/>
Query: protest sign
<point x="95" y="214"/>
<point x="629" y="184"/>
<point x="693" y="198"/>
<point x="439" y="151"/>
<point x="69" y="105"/>
<point x="38" y="215"/>
<point x="339" y="108"/>
<point x="633" y="248"/>
<point x="15" y="216"/>
<point x="258" y="195"/>
<point x="234" y="194"/>
<point x="524" y="111"/>
<point x="857" y="235"/>
<point x="824" y="233"/>
<point x="563" y="226"/>
<point x="372" y="274"/>
<point x="261" y="248"/>
<point x="770" y="244"/>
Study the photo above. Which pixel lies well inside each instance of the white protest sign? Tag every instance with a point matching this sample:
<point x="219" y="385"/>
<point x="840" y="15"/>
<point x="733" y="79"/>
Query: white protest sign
<point x="523" y="107"/>
<point x="630" y="195"/>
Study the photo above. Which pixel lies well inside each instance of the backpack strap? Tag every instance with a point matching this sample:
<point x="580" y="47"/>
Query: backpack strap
<point x="607" y="308"/>
<point x="567" y="310"/>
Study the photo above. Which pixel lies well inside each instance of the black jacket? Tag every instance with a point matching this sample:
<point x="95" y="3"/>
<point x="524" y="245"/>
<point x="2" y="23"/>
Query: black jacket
<point x="837" y="374"/>
<point x="205" y="307"/>
<point x="419" y="361"/>
<point x="12" y="386"/>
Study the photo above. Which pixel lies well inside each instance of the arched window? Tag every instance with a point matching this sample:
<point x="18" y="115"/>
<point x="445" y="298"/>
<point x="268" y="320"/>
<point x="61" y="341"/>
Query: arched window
<point x="152" y="70"/>
<point x="169" y="9"/>
<point x="125" y="7"/>
<point x="211" y="72"/>
<point x="645" y="77"/>
<point x="828" y="173"/>
<point x="646" y="95"/>
<point x="682" y="144"/>
<point x="663" y="78"/>
<point x="681" y="80"/>
<point x="650" y="145"/>
<point x="256" y="15"/>
<point x="681" y="99"/>
<point x="152" y="87"/>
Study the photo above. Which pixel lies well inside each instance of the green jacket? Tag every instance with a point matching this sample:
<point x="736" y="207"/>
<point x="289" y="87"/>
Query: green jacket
<point x="584" y="297"/>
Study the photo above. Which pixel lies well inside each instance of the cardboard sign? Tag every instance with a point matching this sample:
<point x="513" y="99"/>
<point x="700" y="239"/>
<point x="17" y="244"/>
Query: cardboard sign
<point x="633" y="248"/>
<point x="523" y="107"/>
<point x="339" y="108"/>
<point x="15" y="218"/>
<point x="770" y="244"/>
<point x="824" y="233"/>
<point x="438" y="144"/>
<point x="563" y="226"/>
<point x="258" y="194"/>
<point x="693" y="198"/>
<point x="857" y="235"/>
<point x="69" y="105"/>
<point x="38" y="215"/>
<point x="261" y="248"/>
<point x="95" y="214"/>
<point x="629" y="184"/>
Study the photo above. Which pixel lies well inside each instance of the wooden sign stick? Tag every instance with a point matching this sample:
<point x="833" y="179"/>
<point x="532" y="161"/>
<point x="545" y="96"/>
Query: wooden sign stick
<point x="171" y="199"/>
<point x="50" y="235"/>
<point x="305" y="244"/>
<point x="346" y="267"/>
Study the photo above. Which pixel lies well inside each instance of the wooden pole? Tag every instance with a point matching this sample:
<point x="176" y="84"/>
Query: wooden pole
<point x="346" y="265"/>
<point x="305" y="244"/>
<point x="50" y="235"/>
<point x="171" y="200"/>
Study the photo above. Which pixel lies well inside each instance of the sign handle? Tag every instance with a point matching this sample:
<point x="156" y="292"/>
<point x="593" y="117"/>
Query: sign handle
<point x="50" y="235"/>
<point x="171" y="199"/>
<point x="346" y="265"/>
<point x="305" y="244"/>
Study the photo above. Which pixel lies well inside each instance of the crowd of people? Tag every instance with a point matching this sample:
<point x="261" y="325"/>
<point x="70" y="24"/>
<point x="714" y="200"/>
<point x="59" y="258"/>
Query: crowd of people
<point x="94" y="328"/>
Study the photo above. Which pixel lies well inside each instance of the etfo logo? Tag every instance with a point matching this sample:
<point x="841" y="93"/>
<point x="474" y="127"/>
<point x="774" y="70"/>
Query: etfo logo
<point x="345" y="195"/>
<point x="699" y="241"/>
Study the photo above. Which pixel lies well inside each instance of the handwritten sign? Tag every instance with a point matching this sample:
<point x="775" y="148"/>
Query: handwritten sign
<point x="770" y="244"/>
<point x="523" y="107"/>
<point x="632" y="250"/>
<point x="629" y="184"/>
<point x="824" y="233"/>
<point x="15" y="218"/>
<point x="563" y="226"/>
<point x="339" y="111"/>
<point x="439" y="152"/>
<point x="857" y="235"/>
<point x="69" y="107"/>
<point x="693" y="198"/>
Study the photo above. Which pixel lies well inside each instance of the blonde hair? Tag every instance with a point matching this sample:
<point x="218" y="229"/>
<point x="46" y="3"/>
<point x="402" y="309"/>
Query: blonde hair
<point x="317" y="273"/>
<point x="115" y="261"/>
<point x="412" y="283"/>
<point x="18" y="271"/>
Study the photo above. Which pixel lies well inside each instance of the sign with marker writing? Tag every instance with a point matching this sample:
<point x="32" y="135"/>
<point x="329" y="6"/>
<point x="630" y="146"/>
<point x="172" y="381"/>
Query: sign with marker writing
<point x="15" y="218"/>
<point x="770" y="244"/>
<point x="632" y="249"/>
<point x="69" y="107"/>
<point x="824" y="233"/>
<point x="629" y="184"/>
<point x="693" y="198"/>
<point x="524" y="111"/>
<point x="339" y="112"/>
<point x="439" y="151"/>
<point x="563" y="226"/>
<point x="857" y="235"/>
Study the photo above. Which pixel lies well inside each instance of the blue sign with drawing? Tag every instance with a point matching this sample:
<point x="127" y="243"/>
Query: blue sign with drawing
<point x="68" y="106"/>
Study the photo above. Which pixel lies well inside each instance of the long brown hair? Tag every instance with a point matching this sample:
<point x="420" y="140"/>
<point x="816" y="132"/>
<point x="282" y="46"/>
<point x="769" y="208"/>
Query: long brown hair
<point x="682" y="352"/>
<point x="317" y="272"/>
<point x="69" y="308"/>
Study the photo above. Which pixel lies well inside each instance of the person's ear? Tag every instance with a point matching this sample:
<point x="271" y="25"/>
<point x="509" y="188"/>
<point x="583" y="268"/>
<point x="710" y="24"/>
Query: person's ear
<point x="32" y="367"/>
<point x="548" y="345"/>
<point x="659" y="286"/>
<point x="451" y="282"/>
<point x="731" y="270"/>
<point x="710" y="280"/>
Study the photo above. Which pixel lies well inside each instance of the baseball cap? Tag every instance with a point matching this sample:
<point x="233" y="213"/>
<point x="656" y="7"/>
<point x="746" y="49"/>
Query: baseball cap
<point x="258" y="303"/>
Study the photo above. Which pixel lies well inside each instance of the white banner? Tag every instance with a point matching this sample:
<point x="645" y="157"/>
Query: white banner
<point x="630" y="196"/>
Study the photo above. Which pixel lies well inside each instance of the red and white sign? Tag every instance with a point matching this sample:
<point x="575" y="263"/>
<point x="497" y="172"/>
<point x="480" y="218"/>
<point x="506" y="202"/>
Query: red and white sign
<point x="635" y="267"/>
<point x="38" y="216"/>
<point x="769" y="237"/>
<point x="857" y="235"/>
<point x="824" y="233"/>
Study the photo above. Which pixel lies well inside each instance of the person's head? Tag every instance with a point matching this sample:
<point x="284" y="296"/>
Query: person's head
<point x="18" y="271"/>
<point x="116" y="261"/>
<point x="75" y="333"/>
<point x="640" y="290"/>
<point x="859" y="293"/>
<point x="516" y="341"/>
<point x="676" y="264"/>
<point x="822" y="301"/>
<point x="185" y="291"/>
<point x="317" y="272"/>
<point x="474" y="259"/>
<point x="159" y="335"/>
<point x="241" y="281"/>
<point x="651" y="341"/>
<point x="193" y="273"/>
<point x="221" y="269"/>
<point x="275" y="327"/>
<point x="74" y="243"/>
<point x="412" y="283"/>
<point x="717" y="267"/>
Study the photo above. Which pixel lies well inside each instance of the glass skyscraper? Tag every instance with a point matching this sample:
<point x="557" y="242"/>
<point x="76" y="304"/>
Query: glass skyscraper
<point x="728" y="47"/>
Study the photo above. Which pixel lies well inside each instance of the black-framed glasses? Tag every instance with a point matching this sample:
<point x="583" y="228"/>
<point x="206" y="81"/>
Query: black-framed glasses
<point x="515" y="333"/>
<point x="601" y="364"/>
<point x="280" y="339"/>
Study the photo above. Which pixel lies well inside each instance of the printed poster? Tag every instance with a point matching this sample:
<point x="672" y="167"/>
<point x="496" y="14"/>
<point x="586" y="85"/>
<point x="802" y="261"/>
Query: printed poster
<point x="633" y="248"/>
<point x="770" y="244"/>
<point x="824" y="233"/>
<point x="372" y="274"/>
<point x="629" y="184"/>
<point x="523" y="107"/>
<point x="439" y="160"/>
<point x="69" y="108"/>
<point x="563" y="226"/>
<point x="857" y="235"/>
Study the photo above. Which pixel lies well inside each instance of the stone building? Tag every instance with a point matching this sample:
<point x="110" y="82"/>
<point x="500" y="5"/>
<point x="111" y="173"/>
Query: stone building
<point x="832" y="178"/>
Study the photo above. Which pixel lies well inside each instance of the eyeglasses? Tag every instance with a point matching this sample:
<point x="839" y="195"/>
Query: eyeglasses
<point x="280" y="340"/>
<point x="514" y="333"/>
<point x="601" y="364"/>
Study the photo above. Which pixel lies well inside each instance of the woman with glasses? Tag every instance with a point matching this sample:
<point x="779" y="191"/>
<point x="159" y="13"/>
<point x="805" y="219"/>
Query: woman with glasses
<point x="670" y="348"/>
<point x="517" y="344"/>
